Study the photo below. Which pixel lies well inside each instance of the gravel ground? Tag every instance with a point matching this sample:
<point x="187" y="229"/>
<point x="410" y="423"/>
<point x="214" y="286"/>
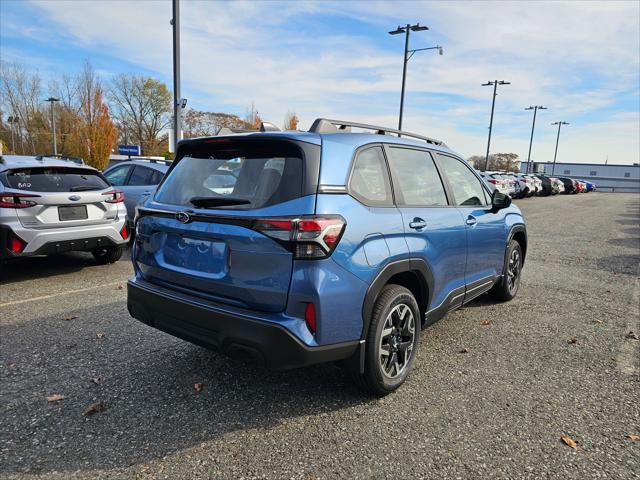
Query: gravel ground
<point x="497" y="411"/>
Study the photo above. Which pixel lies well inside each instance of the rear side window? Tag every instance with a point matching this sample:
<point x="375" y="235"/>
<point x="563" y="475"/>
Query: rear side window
<point x="415" y="178"/>
<point x="53" y="179"/>
<point x="141" y="176"/>
<point x="118" y="175"/>
<point x="369" y="180"/>
<point x="467" y="189"/>
<point x="235" y="175"/>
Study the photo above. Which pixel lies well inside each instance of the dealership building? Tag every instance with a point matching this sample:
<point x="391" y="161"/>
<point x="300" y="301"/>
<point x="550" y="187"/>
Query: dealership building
<point x="607" y="177"/>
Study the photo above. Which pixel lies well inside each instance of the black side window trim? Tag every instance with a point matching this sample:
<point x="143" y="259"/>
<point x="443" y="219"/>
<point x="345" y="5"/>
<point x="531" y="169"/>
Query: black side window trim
<point x="357" y="197"/>
<point x="146" y="170"/>
<point x="445" y="185"/>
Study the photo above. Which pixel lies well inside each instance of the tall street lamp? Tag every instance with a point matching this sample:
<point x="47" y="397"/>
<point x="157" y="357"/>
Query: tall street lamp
<point x="407" y="55"/>
<point x="53" y="122"/>
<point x="495" y="84"/>
<point x="177" y="101"/>
<point x="533" y="126"/>
<point x="553" y="169"/>
<point x="13" y="120"/>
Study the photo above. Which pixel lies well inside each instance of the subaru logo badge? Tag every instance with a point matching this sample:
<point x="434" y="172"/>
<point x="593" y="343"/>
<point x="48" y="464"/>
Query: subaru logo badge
<point x="74" y="198"/>
<point x="183" y="217"/>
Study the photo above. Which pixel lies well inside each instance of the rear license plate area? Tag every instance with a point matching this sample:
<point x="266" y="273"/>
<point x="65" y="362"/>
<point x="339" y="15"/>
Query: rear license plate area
<point x="75" y="212"/>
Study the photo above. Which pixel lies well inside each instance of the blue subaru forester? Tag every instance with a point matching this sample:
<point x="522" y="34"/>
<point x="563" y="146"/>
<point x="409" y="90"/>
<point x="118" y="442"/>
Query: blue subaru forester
<point x="294" y="248"/>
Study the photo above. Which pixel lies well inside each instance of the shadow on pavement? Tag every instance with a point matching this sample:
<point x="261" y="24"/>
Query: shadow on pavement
<point x="21" y="269"/>
<point x="147" y="385"/>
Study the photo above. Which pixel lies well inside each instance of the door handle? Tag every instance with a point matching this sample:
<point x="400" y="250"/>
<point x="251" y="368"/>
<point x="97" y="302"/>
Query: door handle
<point x="417" y="224"/>
<point x="471" y="220"/>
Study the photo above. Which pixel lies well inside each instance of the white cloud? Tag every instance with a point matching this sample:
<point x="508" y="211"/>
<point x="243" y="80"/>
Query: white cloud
<point x="580" y="59"/>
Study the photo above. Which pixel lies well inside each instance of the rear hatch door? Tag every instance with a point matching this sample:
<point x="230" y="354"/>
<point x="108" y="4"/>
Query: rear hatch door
<point x="66" y="196"/>
<point x="197" y="234"/>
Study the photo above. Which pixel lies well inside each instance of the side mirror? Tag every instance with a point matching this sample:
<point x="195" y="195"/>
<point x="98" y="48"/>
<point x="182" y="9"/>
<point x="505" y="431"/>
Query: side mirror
<point x="499" y="201"/>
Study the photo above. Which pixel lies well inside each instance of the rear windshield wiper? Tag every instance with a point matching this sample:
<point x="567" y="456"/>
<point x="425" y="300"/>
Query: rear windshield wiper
<point x="82" y="188"/>
<point x="217" y="201"/>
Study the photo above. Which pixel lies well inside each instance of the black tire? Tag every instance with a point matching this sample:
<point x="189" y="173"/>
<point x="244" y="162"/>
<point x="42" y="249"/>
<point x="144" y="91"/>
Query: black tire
<point x="106" y="255"/>
<point x="507" y="288"/>
<point x="379" y="379"/>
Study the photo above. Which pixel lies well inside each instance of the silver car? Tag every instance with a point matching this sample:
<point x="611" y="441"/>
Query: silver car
<point x="54" y="205"/>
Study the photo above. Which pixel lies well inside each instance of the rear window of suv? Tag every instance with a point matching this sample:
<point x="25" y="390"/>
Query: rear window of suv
<point x="53" y="179"/>
<point x="234" y="175"/>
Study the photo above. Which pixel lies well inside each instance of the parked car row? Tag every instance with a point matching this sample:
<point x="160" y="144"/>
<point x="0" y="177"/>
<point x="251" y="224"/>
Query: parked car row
<point x="521" y="185"/>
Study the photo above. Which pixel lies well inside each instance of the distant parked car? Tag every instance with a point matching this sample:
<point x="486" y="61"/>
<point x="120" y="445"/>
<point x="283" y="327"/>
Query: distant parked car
<point x="496" y="182"/>
<point x="569" y="185"/>
<point x="559" y="184"/>
<point x="591" y="187"/>
<point x="137" y="179"/>
<point x="547" y="186"/>
<point x="522" y="188"/>
<point x="50" y="205"/>
<point x="580" y="187"/>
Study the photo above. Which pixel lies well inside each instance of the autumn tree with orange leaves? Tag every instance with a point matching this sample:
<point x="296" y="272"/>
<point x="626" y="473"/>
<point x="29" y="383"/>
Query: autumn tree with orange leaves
<point x="291" y="121"/>
<point x="96" y="133"/>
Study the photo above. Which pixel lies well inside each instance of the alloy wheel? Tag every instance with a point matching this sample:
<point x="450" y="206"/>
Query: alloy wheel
<point x="397" y="340"/>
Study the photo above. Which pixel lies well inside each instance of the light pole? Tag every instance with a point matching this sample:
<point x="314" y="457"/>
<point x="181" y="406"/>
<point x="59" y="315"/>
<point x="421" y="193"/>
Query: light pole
<point x="553" y="169"/>
<point x="177" y="109"/>
<point x="407" y="55"/>
<point x="533" y="126"/>
<point x="495" y="84"/>
<point x="12" y="121"/>
<point x="52" y="100"/>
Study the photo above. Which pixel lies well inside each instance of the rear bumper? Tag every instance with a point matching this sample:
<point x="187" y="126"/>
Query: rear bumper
<point x="52" y="242"/>
<point x="236" y="335"/>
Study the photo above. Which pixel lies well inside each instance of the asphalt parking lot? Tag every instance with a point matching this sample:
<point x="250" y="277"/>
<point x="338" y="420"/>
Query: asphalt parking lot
<point x="557" y="361"/>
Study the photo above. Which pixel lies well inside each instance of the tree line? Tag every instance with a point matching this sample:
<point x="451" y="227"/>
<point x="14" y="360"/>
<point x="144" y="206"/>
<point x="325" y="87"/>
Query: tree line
<point x="92" y="117"/>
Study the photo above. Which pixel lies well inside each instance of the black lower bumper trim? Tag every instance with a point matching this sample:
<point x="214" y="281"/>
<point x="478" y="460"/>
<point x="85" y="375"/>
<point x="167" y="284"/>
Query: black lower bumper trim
<point x="264" y="343"/>
<point x="80" y="244"/>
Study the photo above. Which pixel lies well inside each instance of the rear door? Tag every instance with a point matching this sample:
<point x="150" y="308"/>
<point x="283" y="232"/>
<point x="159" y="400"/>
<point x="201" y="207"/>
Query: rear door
<point x="199" y="235"/>
<point x="142" y="182"/>
<point x="67" y="196"/>
<point x="434" y="228"/>
<point x="486" y="231"/>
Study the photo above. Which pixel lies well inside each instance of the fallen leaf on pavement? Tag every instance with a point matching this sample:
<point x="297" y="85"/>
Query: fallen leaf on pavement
<point x="632" y="335"/>
<point x="198" y="387"/>
<point x="572" y="340"/>
<point x="96" y="380"/>
<point x="69" y="317"/>
<point x="464" y="350"/>
<point x="119" y="287"/>
<point x="100" y="335"/>
<point x="97" y="407"/>
<point x="486" y="322"/>
<point x="569" y="441"/>
<point x="634" y="437"/>
<point x="55" y="397"/>
<point x="598" y="321"/>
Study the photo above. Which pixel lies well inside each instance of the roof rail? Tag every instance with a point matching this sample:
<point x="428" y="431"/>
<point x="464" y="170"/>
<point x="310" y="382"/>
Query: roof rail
<point x="151" y="160"/>
<point x="324" y="125"/>
<point x="66" y="158"/>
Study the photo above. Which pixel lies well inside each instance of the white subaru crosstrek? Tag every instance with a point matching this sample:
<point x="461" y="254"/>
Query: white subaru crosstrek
<point x="53" y="205"/>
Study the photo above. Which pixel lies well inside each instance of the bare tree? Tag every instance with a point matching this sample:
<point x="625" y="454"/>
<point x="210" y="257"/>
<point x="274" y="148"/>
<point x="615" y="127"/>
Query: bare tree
<point x="252" y="117"/>
<point x="21" y="95"/>
<point x="504" y="162"/>
<point x="197" y="123"/>
<point x="142" y="109"/>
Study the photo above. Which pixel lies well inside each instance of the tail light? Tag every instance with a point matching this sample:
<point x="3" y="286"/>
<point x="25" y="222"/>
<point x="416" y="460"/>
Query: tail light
<point x="115" y="196"/>
<point x="124" y="232"/>
<point x="16" y="200"/>
<point x="15" y="244"/>
<point x="313" y="236"/>
<point x="492" y="181"/>
<point x="310" y="317"/>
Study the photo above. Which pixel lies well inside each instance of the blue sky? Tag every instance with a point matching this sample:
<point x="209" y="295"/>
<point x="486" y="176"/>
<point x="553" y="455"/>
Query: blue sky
<point x="335" y="59"/>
